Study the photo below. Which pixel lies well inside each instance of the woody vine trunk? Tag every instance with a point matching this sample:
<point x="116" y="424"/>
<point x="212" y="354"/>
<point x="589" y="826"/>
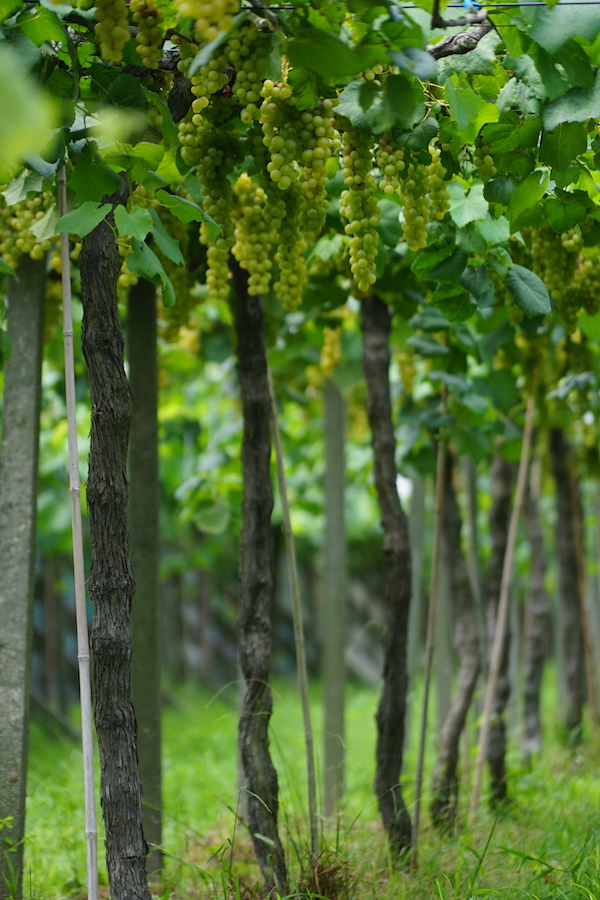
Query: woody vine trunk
<point x="111" y="583"/>
<point x="499" y="519"/>
<point x="568" y="585"/>
<point x="536" y="624"/>
<point x="466" y="642"/>
<point x="256" y="585"/>
<point x="376" y="325"/>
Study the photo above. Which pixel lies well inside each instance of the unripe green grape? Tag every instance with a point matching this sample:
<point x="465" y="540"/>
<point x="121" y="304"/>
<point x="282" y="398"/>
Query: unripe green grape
<point x="210" y="16"/>
<point x="439" y="198"/>
<point x="483" y="160"/>
<point x="150" y="34"/>
<point x="111" y="28"/>
<point x="359" y="206"/>
<point x="415" y="206"/>
<point x="390" y="161"/>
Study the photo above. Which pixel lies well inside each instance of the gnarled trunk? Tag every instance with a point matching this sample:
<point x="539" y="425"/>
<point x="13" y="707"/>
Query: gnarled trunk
<point x="568" y="585"/>
<point x="111" y="583"/>
<point x="256" y="585"/>
<point x="18" y="496"/>
<point x="466" y="642"/>
<point x="536" y="623"/>
<point x="144" y="526"/>
<point x="376" y="323"/>
<point x="501" y="477"/>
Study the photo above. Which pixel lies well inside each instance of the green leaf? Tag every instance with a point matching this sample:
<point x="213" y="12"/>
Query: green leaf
<point x="5" y="269"/>
<point x="529" y="292"/>
<point x="24" y="184"/>
<point x="135" y="224"/>
<point x="84" y="219"/>
<point x="552" y="28"/>
<point x="350" y="106"/>
<point x="323" y="53"/>
<point x="187" y="212"/>
<point x="168" y="293"/>
<point x="478" y="284"/>
<point x="427" y="346"/>
<point x="563" y="145"/>
<point x="128" y="92"/>
<point x="165" y="243"/>
<point x="449" y="269"/>
<point x="469" y="110"/>
<point x="527" y="194"/>
<point x="143" y="261"/>
<point x="419" y="137"/>
<point x="168" y="127"/>
<point x="499" y="189"/>
<point x="454" y="302"/>
<point x="42" y="25"/>
<point x="564" y="212"/>
<point x="506" y="137"/>
<point x="60" y="83"/>
<point x="576" y="105"/>
<point x="590" y="325"/>
<point x="431" y="256"/>
<point x="305" y="87"/>
<point x="429" y="319"/>
<point x="45" y="227"/>
<point x="494" y="231"/>
<point x="389" y="226"/>
<point x="213" y="519"/>
<point x="466" y="206"/>
<point x="418" y="62"/>
<point x="92" y="179"/>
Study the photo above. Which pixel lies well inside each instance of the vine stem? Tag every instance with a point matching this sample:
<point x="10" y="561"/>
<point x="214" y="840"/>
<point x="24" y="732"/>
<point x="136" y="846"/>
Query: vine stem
<point x="298" y="629"/>
<point x="440" y="481"/>
<point x="83" y="648"/>
<point x="500" y="626"/>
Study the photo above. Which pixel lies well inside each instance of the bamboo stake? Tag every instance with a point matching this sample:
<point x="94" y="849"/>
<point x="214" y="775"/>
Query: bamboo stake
<point x="83" y="650"/>
<point x="581" y="584"/>
<point x="440" y="482"/>
<point x="298" y="630"/>
<point x="502" y="605"/>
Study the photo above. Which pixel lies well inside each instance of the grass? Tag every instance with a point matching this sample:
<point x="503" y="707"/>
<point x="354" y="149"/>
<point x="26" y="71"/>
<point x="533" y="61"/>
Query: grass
<point x="545" y="845"/>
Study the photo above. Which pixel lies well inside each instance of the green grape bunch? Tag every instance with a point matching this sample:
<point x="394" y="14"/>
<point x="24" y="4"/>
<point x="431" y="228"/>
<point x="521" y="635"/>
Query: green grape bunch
<point x="150" y="36"/>
<point x="390" y="161"/>
<point x="111" y="28"/>
<point x="484" y="161"/>
<point x="415" y="206"/>
<point x="210" y="16"/>
<point x="359" y="207"/>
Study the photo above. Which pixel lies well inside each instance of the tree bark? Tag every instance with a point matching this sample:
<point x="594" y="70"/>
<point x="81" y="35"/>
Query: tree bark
<point x="466" y="642"/>
<point x="376" y="324"/>
<point x="536" y="623"/>
<point x="144" y="527"/>
<point x="499" y="519"/>
<point x="256" y="585"/>
<point x="333" y="612"/>
<point x="568" y="586"/>
<point x="111" y="583"/>
<point x="18" y="496"/>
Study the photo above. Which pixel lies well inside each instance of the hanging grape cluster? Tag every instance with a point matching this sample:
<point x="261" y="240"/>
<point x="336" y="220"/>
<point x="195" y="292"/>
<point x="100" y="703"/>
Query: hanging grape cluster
<point x="150" y="36"/>
<point x="439" y="198"/>
<point x="554" y="259"/>
<point x="585" y="286"/>
<point x="210" y="16"/>
<point x="254" y="235"/>
<point x="359" y="206"/>
<point x="111" y="28"/>
<point x="415" y="206"/>
<point x="390" y="161"/>
<point x="484" y="161"/>
<point x="16" y="236"/>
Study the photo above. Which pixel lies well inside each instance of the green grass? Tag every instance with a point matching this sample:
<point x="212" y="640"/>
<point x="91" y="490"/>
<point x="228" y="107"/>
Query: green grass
<point x="544" y="846"/>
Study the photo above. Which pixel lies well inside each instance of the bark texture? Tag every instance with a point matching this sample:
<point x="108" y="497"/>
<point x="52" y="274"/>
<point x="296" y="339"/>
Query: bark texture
<point x="333" y="610"/>
<point x="376" y="324"/>
<point x="573" y="662"/>
<point x="466" y="642"/>
<point x="501" y="477"/>
<point x="111" y="581"/>
<point x="536" y="624"/>
<point x="144" y="528"/>
<point x="256" y="586"/>
<point x="18" y="495"/>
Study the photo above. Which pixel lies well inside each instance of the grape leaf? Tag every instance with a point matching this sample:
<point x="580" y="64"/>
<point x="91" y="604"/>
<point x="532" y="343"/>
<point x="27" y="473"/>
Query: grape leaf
<point x="165" y="243"/>
<point x="41" y="26"/>
<point x="529" y="291"/>
<point x="135" y="224"/>
<point x="466" y="206"/>
<point x="92" y="179"/>
<point x="187" y="212"/>
<point x="83" y="219"/>
<point x="44" y="228"/>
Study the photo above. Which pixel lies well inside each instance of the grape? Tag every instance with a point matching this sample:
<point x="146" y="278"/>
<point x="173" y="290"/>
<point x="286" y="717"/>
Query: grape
<point x="210" y="16"/>
<point x="405" y="360"/>
<point x="553" y="258"/>
<point x="439" y="198"/>
<point x="390" y="160"/>
<point x="373" y="73"/>
<point x="483" y="160"/>
<point x="293" y="278"/>
<point x="247" y="51"/>
<point x="111" y="28"/>
<point x="187" y="53"/>
<point x="359" y="206"/>
<point x="331" y="351"/>
<point x="585" y="286"/>
<point x="16" y="237"/>
<point x="415" y="206"/>
<point x="254" y="236"/>
<point x="150" y="35"/>
<point x="281" y="125"/>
